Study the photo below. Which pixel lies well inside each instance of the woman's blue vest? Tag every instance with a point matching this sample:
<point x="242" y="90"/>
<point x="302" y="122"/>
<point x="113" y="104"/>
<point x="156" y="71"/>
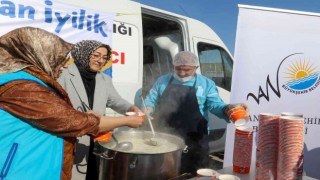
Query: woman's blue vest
<point x="27" y="152"/>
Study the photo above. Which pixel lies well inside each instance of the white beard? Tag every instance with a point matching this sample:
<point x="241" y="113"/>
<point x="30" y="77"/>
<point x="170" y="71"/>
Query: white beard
<point x="182" y="79"/>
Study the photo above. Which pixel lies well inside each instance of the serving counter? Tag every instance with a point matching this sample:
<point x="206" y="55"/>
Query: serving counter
<point x="250" y="176"/>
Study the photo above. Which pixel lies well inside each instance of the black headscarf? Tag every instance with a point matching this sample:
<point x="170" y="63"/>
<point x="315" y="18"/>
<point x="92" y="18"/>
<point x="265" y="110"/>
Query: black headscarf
<point x="81" y="55"/>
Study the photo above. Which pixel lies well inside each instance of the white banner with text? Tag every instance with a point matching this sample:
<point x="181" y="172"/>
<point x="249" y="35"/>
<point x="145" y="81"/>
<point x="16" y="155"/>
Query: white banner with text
<point x="276" y="69"/>
<point x="70" y="22"/>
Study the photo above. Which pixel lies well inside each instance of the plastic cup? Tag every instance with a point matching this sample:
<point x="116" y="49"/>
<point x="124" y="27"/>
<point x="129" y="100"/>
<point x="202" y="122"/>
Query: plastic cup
<point x="291" y="114"/>
<point x="228" y="177"/>
<point x="238" y="116"/>
<point x="207" y="173"/>
<point x="103" y="137"/>
<point x="140" y="114"/>
<point x="130" y="113"/>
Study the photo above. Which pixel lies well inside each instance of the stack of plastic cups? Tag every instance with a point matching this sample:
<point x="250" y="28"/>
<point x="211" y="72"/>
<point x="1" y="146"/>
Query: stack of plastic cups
<point x="242" y="150"/>
<point x="291" y="143"/>
<point x="243" y="140"/>
<point x="267" y="147"/>
<point x="300" y="169"/>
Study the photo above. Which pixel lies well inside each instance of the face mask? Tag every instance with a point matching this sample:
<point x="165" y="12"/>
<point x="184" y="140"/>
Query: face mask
<point x="182" y="79"/>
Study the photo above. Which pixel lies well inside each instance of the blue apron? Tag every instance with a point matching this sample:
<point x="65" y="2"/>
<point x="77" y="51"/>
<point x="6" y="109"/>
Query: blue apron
<point x="178" y="107"/>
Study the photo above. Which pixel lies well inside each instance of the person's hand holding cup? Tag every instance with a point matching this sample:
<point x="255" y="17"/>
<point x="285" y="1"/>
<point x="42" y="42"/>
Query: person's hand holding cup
<point x="237" y="113"/>
<point x="140" y="114"/>
<point x="136" y="119"/>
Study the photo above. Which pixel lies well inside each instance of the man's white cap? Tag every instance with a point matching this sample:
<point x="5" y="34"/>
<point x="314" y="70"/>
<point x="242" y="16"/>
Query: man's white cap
<point x="185" y="58"/>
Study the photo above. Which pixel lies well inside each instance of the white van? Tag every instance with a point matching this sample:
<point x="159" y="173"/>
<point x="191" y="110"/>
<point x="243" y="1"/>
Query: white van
<point x="144" y="41"/>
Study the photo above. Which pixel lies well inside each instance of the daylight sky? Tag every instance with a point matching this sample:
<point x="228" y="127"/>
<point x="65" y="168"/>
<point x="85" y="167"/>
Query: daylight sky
<point x="221" y="15"/>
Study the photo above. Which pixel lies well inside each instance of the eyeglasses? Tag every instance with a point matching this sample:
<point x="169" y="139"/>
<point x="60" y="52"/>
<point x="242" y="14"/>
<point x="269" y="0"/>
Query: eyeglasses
<point x="98" y="57"/>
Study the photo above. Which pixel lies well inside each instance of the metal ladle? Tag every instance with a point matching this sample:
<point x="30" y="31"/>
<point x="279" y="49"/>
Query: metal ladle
<point x="124" y="146"/>
<point x="147" y="115"/>
<point x="152" y="141"/>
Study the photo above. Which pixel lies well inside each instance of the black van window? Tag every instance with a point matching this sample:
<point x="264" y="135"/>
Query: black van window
<point x="215" y="64"/>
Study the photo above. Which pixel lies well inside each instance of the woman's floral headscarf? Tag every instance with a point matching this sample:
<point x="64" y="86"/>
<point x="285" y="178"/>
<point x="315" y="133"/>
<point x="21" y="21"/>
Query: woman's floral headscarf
<point x="28" y="46"/>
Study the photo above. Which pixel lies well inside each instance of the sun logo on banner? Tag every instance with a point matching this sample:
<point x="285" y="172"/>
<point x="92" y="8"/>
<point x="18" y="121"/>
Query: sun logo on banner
<point x="302" y="77"/>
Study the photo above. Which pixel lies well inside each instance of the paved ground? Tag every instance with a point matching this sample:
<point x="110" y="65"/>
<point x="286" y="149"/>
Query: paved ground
<point x="216" y="161"/>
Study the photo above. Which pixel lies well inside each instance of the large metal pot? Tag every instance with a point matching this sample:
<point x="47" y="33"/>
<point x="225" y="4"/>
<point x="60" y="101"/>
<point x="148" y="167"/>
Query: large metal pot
<point x="159" y="162"/>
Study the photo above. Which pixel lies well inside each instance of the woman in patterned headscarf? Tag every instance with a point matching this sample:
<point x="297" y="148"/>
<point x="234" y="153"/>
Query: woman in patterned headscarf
<point x="38" y="123"/>
<point x="90" y="57"/>
<point x="85" y="84"/>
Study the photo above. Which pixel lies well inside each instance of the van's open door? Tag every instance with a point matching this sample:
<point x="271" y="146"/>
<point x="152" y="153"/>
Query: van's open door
<point x="216" y="64"/>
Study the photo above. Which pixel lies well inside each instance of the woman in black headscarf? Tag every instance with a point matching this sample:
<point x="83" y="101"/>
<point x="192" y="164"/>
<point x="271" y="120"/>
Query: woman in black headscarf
<point x="88" y="88"/>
